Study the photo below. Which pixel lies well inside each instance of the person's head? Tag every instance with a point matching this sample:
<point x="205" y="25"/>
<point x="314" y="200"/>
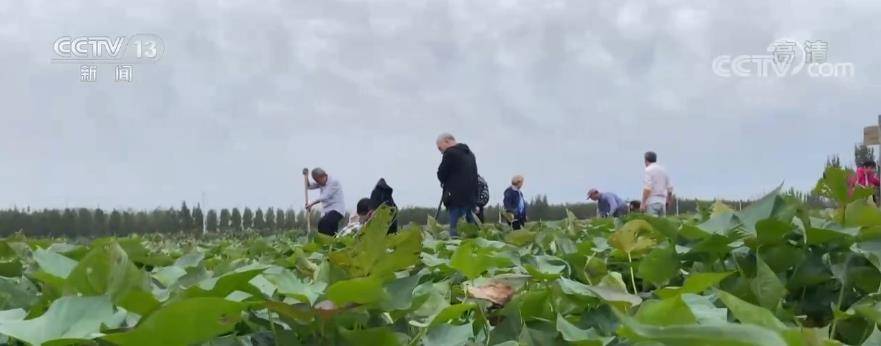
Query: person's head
<point x="365" y="206"/>
<point x="870" y="164"/>
<point x="444" y="141"/>
<point x="365" y="209"/>
<point x="593" y="194"/>
<point x="319" y="175"/>
<point x="517" y="181"/>
<point x="650" y="157"/>
<point x="634" y="205"/>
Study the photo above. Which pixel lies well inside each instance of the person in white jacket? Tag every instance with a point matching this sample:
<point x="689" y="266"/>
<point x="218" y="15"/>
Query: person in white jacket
<point x="333" y="205"/>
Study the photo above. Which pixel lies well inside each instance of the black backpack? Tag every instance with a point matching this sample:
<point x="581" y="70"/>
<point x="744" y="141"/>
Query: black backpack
<point x="482" y="192"/>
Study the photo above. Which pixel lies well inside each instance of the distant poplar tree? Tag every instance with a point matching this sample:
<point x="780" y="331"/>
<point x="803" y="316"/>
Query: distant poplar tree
<point x="279" y="219"/>
<point x="100" y="222"/>
<point x="85" y="222"/>
<point x="184" y="218"/>
<point x="223" y="225"/>
<point x="198" y="220"/>
<point x="269" y="219"/>
<point x="235" y="221"/>
<point x="247" y="218"/>
<point x="114" y="225"/>
<point x="863" y="153"/>
<point x="259" y="221"/>
<point x="290" y="219"/>
<point x="211" y="221"/>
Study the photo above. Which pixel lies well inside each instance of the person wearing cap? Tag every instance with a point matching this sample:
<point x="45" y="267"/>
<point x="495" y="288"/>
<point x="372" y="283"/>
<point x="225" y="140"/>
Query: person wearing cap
<point x="333" y="205"/>
<point x="608" y="204"/>
<point x="515" y="203"/>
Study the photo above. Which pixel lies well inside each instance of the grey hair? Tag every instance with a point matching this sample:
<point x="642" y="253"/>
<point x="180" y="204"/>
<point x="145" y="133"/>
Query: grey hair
<point x="445" y="136"/>
<point x="318" y="172"/>
<point x="516" y="179"/>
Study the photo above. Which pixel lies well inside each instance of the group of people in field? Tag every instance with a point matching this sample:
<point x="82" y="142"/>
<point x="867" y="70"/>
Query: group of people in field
<point x="465" y="193"/>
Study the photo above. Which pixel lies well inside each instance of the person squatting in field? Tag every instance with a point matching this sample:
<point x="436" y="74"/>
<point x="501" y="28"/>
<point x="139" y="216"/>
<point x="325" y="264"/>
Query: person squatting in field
<point x="608" y="204"/>
<point x="333" y="204"/>
<point x="457" y="174"/>
<point x="381" y="195"/>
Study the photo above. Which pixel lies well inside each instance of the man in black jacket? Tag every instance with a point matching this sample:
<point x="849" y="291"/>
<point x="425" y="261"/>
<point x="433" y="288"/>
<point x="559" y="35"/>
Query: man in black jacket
<point x="458" y="177"/>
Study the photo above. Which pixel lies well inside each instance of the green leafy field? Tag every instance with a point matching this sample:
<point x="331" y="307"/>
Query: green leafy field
<point x="774" y="273"/>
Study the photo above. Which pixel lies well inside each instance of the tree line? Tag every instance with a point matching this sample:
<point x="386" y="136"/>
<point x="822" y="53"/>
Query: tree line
<point x="96" y="222"/>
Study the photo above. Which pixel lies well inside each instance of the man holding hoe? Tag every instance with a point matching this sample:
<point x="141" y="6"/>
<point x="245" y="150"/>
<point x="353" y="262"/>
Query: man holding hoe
<point x="457" y="174"/>
<point x="333" y="205"/>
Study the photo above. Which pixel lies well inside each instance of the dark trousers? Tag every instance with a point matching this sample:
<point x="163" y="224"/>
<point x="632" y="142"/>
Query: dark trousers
<point x="456" y="214"/>
<point x="330" y="222"/>
<point x="517" y="224"/>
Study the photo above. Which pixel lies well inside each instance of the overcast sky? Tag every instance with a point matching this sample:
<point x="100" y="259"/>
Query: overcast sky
<point x="567" y="93"/>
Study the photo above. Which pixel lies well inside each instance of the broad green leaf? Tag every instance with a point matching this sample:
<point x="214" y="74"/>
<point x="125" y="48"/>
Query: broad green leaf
<point x="572" y="333"/>
<point x="659" y="265"/>
<point x="359" y="290"/>
<point x="10" y="268"/>
<point x="53" y="263"/>
<point x="380" y="336"/>
<point x="225" y="284"/>
<point x="472" y="259"/>
<point x="452" y="312"/>
<point x="748" y="313"/>
<point x="616" y="293"/>
<point x="772" y="231"/>
<point x="766" y="207"/>
<point x="666" y="312"/>
<point x="520" y="237"/>
<point x="400" y="293"/>
<point x="633" y="237"/>
<point x="860" y="213"/>
<point x="184" y="322"/>
<point x="447" y="335"/>
<point x="695" y="283"/>
<point x="766" y="285"/>
<point x="722" y="334"/>
<point x="545" y="267"/>
<point x="292" y="286"/>
<point x="106" y="269"/>
<point x="67" y="318"/>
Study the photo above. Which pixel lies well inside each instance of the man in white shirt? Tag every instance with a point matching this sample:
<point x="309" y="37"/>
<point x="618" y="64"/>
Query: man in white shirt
<point x="657" y="191"/>
<point x="333" y="205"/>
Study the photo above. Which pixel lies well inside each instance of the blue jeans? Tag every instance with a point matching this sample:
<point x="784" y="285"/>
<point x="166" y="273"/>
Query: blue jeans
<point x="455" y="214"/>
<point x="656" y="209"/>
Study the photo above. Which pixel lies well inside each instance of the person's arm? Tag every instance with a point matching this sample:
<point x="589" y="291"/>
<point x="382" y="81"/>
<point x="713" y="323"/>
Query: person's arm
<point x="613" y="205"/>
<point x="443" y="171"/>
<point x="510" y="202"/>
<point x="646" y="191"/>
